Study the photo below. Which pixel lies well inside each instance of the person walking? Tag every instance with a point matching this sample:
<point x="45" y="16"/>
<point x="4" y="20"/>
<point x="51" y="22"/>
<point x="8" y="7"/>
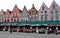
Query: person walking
<point x="56" y="31"/>
<point x="10" y="30"/>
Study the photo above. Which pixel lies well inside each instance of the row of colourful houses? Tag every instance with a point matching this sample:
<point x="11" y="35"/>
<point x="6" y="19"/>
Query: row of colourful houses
<point x="43" y="14"/>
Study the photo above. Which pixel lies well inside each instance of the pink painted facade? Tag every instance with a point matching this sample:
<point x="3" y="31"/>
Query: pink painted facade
<point x="16" y="14"/>
<point x="7" y="16"/>
<point x="13" y="16"/>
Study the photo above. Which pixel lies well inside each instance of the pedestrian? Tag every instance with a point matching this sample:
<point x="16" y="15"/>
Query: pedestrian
<point x="10" y="30"/>
<point x="56" y="31"/>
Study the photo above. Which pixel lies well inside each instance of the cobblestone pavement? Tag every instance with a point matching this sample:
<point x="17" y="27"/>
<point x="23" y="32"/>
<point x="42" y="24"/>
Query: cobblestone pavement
<point x="27" y="35"/>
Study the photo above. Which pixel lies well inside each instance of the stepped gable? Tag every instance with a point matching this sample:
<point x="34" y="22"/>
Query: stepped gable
<point x="33" y="9"/>
<point x="16" y="9"/>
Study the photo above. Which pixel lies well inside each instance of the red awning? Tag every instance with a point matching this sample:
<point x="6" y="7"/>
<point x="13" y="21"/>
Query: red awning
<point x="58" y="25"/>
<point x="50" y="25"/>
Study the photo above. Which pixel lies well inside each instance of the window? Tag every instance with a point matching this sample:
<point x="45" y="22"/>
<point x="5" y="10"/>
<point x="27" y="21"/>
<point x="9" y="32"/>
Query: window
<point x="15" y="15"/>
<point x="14" y="20"/>
<point x="56" y="17"/>
<point x="41" y="11"/>
<point x="17" y="20"/>
<point x="51" y="15"/>
<point x="5" y="20"/>
<point x="41" y="17"/>
<point x="36" y="12"/>
<point x="45" y="15"/>
<point x="2" y="16"/>
<point x="33" y="12"/>
<point x="45" y="12"/>
<point x="43" y="7"/>
<point x="8" y="20"/>
<point x="36" y="18"/>
<point x="33" y="18"/>
<point x="53" y="6"/>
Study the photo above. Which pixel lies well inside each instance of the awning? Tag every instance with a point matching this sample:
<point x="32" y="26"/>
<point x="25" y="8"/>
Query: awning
<point x="37" y="23"/>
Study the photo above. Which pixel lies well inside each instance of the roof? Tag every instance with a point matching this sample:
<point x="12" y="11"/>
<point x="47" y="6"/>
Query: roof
<point x="33" y="8"/>
<point x="16" y="9"/>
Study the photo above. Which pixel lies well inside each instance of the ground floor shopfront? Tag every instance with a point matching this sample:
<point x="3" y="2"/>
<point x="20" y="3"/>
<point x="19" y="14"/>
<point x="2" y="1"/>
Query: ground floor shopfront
<point x="31" y="27"/>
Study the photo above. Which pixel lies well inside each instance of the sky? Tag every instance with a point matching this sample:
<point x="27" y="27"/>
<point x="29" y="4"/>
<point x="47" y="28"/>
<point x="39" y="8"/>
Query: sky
<point x="9" y="4"/>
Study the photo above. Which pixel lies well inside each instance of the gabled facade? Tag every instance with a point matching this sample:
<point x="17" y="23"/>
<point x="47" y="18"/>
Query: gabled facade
<point x="2" y="17"/>
<point x="7" y="16"/>
<point x="24" y="14"/>
<point x="33" y="14"/>
<point x="16" y="14"/>
<point x="43" y="13"/>
<point x="54" y="11"/>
